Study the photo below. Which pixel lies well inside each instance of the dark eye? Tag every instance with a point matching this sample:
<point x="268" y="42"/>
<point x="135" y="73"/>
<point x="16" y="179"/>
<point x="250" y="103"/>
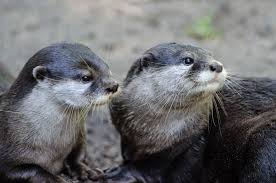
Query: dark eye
<point x="188" y="61"/>
<point x="86" y="79"/>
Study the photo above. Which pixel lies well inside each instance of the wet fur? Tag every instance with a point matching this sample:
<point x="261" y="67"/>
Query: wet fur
<point x="154" y="127"/>
<point x="242" y="148"/>
<point x="203" y="149"/>
<point x="41" y="128"/>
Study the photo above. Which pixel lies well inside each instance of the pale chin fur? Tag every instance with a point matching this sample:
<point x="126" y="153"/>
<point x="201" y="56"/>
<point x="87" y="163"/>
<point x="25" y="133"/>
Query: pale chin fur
<point x="210" y="81"/>
<point x="101" y="100"/>
<point x="74" y="93"/>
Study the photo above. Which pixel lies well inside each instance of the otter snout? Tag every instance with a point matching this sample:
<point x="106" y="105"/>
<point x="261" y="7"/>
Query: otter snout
<point x="113" y="88"/>
<point x="110" y="86"/>
<point x="216" y="67"/>
<point x="212" y="78"/>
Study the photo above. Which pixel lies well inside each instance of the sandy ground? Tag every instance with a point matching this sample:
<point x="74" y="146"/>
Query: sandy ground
<point x="121" y="30"/>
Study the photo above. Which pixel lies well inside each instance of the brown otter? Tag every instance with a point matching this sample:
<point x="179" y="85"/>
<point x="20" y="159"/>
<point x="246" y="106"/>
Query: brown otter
<point x="170" y="123"/>
<point x="42" y="115"/>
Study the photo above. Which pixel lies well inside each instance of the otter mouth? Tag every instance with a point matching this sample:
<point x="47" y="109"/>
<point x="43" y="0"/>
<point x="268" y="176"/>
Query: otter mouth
<point x="101" y="101"/>
<point x="211" y="84"/>
<point x="104" y="99"/>
<point x="212" y="78"/>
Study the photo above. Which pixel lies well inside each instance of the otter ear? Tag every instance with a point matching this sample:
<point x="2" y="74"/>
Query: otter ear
<point x="146" y="60"/>
<point x="39" y="72"/>
<point x="139" y="65"/>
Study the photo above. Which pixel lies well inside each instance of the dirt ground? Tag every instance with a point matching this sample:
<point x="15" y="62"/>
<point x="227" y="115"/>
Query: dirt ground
<point x="121" y="30"/>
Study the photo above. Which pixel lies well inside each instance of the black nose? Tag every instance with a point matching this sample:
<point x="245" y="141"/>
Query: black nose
<point x="113" y="88"/>
<point x="215" y="67"/>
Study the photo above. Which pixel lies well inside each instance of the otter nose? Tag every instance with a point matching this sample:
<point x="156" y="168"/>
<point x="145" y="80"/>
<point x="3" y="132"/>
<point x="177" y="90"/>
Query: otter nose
<point x="215" y="67"/>
<point x="112" y="87"/>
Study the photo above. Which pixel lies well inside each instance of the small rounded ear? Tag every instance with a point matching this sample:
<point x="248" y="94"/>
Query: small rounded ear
<point x="139" y="65"/>
<point x="39" y="72"/>
<point x="146" y="60"/>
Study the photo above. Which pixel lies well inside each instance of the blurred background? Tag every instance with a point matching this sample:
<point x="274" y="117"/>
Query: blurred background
<point x="240" y="33"/>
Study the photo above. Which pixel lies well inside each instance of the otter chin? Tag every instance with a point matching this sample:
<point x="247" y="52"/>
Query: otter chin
<point x="42" y="115"/>
<point x="210" y="85"/>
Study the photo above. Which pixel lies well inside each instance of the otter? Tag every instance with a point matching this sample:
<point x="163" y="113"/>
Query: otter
<point x="173" y="112"/>
<point x="42" y="115"/>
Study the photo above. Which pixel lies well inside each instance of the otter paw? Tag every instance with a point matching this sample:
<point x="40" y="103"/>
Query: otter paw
<point x="80" y="171"/>
<point x="60" y="179"/>
<point x="115" y="175"/>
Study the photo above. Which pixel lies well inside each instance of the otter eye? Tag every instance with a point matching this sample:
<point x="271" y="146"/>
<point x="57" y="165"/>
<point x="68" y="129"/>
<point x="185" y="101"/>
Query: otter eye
<point x="86" y="79"/>
<point x="188" y="61"/>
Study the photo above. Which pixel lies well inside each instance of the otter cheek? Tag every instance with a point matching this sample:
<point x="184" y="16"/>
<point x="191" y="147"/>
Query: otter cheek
<point x="71" y="92"/>
<point x="94" y="89"/>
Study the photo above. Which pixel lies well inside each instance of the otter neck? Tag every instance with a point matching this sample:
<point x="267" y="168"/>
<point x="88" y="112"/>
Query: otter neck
<point x="51" y="120"/>
<point x="153" y="129"/>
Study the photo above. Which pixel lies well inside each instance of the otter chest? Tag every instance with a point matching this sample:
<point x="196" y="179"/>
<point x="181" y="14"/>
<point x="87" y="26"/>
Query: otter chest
<point x="50" y="134"/>
<point x="165" y="130"/>
<point x="57" y="141"/>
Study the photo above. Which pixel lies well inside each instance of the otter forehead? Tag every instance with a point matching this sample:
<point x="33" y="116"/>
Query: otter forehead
<point x="167" y="53"/>
<point x="67" y="59"/>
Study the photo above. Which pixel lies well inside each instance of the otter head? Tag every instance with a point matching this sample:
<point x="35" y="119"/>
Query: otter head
<point x="175" y="72"/>
<point x="71" y="74"/>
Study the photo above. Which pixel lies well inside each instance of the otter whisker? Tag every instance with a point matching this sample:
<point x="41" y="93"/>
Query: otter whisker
<point x="82" y="59"/>
<point x="161" y="108"/>
<point x="57" y="80"/>
<point x="234" y="81"/>
<point x="66" y="111"/>
<point x="155" y="63"/>
<point x="149" y="100"/>
<point x="170" y="108"/>
<point x="145" y="114"/>
<point x="174" y="97"/>
<point x="218" y="115"/>
<point x="230" y="87"/>
<point x="68" y="130"/>
<point x="90" y="68"/>
<point x="220" y="102"/>
<point x="159" y="112"/>
<point x="82" y="114"/>
<point x="61" y="117"/>
<point x="93" y="108"/>
<point x="210" y="112"/>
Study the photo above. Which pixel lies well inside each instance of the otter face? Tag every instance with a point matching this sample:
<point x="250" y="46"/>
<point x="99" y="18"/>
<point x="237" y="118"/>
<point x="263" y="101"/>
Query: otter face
<point x="179" y="70"/>
<point x="74" y="76"/>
